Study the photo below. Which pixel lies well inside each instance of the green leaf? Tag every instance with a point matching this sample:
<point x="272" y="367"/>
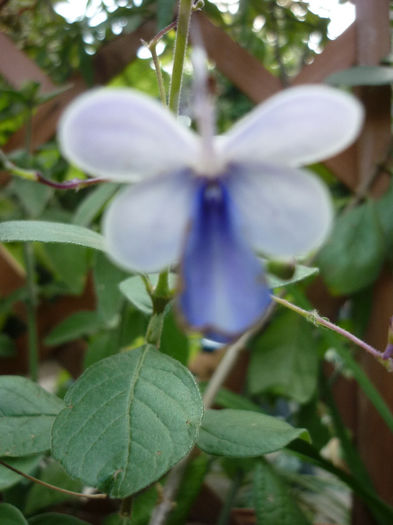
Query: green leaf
<point x="362" y="76"/>
<point x="242" y="433"/>
<point x="103" y="345"/>
<point x="43" y="231"/>
<point x="284" y="359"/>
<point x="384" y="207"/>
<point x="273" y="502"/>
<point x="353" y="256"/>
<point x="129" y="419"/>
<point x="54" y="518"/>
<point x="10" y="515"/>
<point x="7" y="346"/>
<point x="173" y="341"/>
<point x="107" y="277"/>
<point x="165" y="13"/>
<point x="135" y="291"/>
<point x="40" y="497"/>
<point x="70" y="264"/>
<point x="189" y="489"/>
<point x="27" y="412"/>
<point x="301" y="273"/>
<point x="76" y="325"/>
<point x="227" y="399"/>
<point x="33" y="197"/>
<point x="92" y="205"/>
<point x="26" y="464"/>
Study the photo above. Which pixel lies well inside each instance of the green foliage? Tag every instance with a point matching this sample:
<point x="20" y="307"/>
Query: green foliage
<point x="27" y="413"/>
<point x="284" y="359"/>
<point x="353" y="256"/>
<point x="53" y="518"/>
<point x="273" y="501"/>
<point x="10" y="515"/>
<point x="76" y="325"/>
<point x="26" y="464"/>
<point x="50" y="232"/>
<point x="242" y="433"/>
<point x="127" y="420"/>
<point x="40" y="497"/>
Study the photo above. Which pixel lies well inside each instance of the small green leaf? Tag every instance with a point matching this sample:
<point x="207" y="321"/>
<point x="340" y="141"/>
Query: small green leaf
<point x="273" y="502"/>
<point x="76" y="325"/>
<point x="69" y="264"/>
<point x="43" y="231"/>
<point x="189" y="489"/>
<point x="92" y="205"/>
<point x="40" y="497"/>
<point x="242" y="433"/>
<point x="284" y="359"/>
<point x="33" y="197"/>
<point x="173" y="341"/>
<point x="107" y="277"/>
<point x="10" y="515"/>
<point x="384" y="207"/>
<point x="27" y="412"/>
<point x="362" y="76"/>
<point x="54" y="518"/>
<point x="129" y="418"/>
<point x="301" y="273"/>
<point x="26" y="464"/>
<point x="135" y="291"/>
<point x="353" y="256"/>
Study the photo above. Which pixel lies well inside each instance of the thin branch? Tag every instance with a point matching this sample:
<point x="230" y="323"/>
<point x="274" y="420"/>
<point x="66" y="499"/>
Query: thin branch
<point x="53" y="487"/>
<point x="36" y="176"/>
<point x="314" y="317"/>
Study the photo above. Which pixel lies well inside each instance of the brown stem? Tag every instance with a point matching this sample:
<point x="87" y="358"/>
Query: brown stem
<point x="53" y="487"/>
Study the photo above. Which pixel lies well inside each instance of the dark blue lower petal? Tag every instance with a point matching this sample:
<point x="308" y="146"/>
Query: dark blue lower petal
<point x="223" y="289"/>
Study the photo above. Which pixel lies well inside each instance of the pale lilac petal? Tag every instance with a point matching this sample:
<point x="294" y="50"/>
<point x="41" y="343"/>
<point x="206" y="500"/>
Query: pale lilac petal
<point x="285" y="211"/>
<point x="122" y="135"/>
<point x="298" y="126"/>
<point x="223" y="290"/>
<point x="145" y="225"/>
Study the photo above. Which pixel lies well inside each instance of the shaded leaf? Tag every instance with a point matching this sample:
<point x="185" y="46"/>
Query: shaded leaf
<point x="128" y="419"/>
<point x="76" y="325"/>
<point x="27" y="412"/>
<point x="44" y="231"/>
<point x="362" y="76"/>
<point x="301" y="273"/>
<point x="10" y="515"/>
<point x="135" y="291"/>
<point x="273" y="501"/>
<point x="54" y="518"/>
<point x="284" y="359"/>
<point x="26" y="464"/>
<point x="107" y="277"/>
<point x="92" y="205"/>
<point x="243" y="433"/>
<point x="40" y="497"/>
<point x="353" y="256"/>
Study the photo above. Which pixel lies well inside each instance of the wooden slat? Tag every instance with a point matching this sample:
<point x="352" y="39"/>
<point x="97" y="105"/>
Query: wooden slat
<point x="109" y="61"/>
<point x="237" y="64"/>
<point x="338" y="54"/>
<point x="374" y="439"/>
<point x="17" y="68"/>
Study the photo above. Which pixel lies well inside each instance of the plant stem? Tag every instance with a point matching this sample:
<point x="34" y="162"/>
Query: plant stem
<point x="53" y="487"/>
<point x="315" y="318"/>
<point x="157" y="67"/>
<point x="126" y="507"/>
<point x="225" y="513"/>
<point x="183" y="26"/>
<point x="31" y="311"/>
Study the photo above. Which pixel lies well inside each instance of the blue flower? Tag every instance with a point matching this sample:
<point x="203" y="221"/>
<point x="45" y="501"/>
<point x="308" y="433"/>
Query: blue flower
<point x="209" y="203"/>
